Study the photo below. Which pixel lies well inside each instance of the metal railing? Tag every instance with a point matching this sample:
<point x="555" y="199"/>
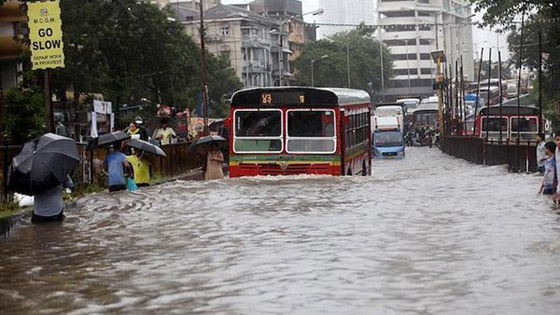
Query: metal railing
<point x="180" y="160"/>
<point x="518" y="157"/>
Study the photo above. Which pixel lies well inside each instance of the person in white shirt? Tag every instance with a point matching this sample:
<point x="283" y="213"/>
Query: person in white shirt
<point x="164" y="134"/>
<point x="541" y="155"/>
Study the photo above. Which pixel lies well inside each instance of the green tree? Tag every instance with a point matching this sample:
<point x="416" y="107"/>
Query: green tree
<point x="24" y="116"/>
<point x="364" y="58"/>
<point x="133" y="52"/>
<point x="541" y="17"/>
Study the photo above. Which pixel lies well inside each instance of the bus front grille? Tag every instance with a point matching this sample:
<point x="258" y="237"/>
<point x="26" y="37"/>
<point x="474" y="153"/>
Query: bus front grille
<point x="285" y="169"/>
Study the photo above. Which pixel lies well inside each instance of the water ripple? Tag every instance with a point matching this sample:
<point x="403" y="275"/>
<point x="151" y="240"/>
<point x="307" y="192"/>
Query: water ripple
<point x="426" y="234"/>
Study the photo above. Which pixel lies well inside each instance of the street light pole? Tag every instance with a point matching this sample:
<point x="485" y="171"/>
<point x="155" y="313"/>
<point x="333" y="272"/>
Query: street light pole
<point x="348" y="63"/>
<point x="312" y="72"/>
<point x="436" y="27"/>
<point x="281" y="44"/>
<point x="407" y="65"/>
<point x="381" y="60"/>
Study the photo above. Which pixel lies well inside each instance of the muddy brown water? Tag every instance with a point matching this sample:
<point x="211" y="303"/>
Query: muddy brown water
<point x="428" y="234"/>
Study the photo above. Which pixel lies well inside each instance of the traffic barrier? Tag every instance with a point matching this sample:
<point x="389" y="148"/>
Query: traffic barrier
<point x="519" y="157"/>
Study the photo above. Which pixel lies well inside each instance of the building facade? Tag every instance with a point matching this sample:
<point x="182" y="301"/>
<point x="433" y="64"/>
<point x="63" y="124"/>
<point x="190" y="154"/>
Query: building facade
<point x="413" y="29"/>
<point x="249" y="40"/>
<point x="189" y="4"/>
<point x="341" y="12"/>
<point x="13" y="21"/>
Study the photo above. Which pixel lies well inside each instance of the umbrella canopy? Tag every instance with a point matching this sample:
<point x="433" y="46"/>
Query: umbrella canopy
<point x="205" y="142"/>
<point x="146" y="147"/>
<point x="111" y="138"/>
<point x="42" y="164"/>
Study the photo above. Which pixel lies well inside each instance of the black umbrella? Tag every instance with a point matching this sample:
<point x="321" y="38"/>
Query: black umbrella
<point x="146" y="147"/>
<point x="111" y="138"/>
<point x="42" y="164"/>
<point x="207" y="141"/>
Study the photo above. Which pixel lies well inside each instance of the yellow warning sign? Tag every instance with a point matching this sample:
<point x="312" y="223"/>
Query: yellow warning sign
<point x="45" y="33"/>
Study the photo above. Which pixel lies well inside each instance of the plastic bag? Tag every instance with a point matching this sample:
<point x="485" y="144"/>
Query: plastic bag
<point x="130" y="184"/>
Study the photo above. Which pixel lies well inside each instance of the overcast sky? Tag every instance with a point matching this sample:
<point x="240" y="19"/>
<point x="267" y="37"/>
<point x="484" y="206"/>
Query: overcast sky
<point x="481" y="38"/>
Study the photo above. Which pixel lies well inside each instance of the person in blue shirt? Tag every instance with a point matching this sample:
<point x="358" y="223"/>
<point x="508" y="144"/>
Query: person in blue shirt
<point x="548" y="186"/>
<point x="116" y="164"/>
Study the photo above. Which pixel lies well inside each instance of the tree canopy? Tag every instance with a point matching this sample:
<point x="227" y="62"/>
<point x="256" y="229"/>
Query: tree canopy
<point x="540" y="17"/>
<point x="130" y="50"/>
<point x="364" y="58"/>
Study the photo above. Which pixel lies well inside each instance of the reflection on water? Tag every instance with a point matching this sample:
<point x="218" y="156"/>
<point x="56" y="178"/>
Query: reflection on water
<point x="427" y="234"/>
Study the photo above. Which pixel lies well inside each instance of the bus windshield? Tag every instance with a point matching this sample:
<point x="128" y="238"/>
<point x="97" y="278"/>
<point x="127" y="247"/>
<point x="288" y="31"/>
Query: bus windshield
<point x="524" y="124"/>
<point x="311" y="131"/>
<point x="494" y="124"/>
<point x="258" y="131"/>
<point x="388" y="139"/>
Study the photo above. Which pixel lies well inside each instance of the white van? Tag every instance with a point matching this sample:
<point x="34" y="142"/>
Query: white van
<point x="390" y="111"/>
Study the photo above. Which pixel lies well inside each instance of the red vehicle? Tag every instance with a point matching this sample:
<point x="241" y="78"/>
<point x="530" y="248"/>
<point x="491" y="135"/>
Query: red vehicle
<point x="299" y="130"/>
<point x="491" y="119"/>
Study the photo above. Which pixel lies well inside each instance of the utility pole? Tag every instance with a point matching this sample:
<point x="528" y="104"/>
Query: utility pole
<point x="541" y="126"/>
<point x="281" y="56"/>
<point x="407" y="65"/>
<point x="382" y="78"/>
<point x="203" y="68"/>
<point x="348" y="62"/>
<point x="437" y="35"/>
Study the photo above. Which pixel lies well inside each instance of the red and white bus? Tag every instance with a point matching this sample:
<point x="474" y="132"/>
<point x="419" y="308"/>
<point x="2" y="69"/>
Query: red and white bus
<point x="511" y="120"/>
<point x="299" y="130"/>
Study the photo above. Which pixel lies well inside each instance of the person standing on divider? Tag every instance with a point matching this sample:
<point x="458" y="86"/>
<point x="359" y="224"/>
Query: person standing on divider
<point x="541" y="155"/>
<point x="557" y="157"/>
<point x="549" y="183"/>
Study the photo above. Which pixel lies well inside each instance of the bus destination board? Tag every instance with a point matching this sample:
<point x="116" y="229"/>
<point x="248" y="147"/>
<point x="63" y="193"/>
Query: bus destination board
<point x="282" y="97"/>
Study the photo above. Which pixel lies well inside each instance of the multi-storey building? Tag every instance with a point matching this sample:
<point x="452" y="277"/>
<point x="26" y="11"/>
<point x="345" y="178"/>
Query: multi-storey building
<point x="13" y="21"/>
<point x="412" y="29"/>
<point x="249" y="40"/>
<point x="189" y="4"/>
<point x="341" y="12"/>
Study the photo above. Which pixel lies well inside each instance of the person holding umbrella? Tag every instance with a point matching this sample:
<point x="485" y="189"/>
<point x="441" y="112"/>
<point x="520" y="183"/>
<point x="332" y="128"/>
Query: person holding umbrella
<point x="209" y="147"/>
<point x="42" y="169"/>
<point x="48" y="205"/>
<point x="140" y="162"/>
<point x="141" y="166"/>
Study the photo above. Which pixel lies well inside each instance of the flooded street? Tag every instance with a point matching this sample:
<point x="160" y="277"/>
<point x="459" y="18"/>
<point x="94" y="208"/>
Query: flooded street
<point x="427" y="234"/>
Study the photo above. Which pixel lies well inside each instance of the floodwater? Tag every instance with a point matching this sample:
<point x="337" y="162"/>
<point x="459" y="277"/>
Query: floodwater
<point x="423" y="235"/>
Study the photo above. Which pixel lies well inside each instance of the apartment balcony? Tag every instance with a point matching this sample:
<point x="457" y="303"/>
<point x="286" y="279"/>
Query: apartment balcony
<point x="11" y="48"/>
<point x="12" y="12"/>
<point x="402" y="20"/>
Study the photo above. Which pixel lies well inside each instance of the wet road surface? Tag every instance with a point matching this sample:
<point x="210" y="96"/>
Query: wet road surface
<point x="426" y="234"/>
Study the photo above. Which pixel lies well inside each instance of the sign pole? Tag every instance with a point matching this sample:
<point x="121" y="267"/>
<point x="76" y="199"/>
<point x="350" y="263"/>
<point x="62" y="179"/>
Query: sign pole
<point x="47" y="47"/>
<point x="48" y="102"/>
